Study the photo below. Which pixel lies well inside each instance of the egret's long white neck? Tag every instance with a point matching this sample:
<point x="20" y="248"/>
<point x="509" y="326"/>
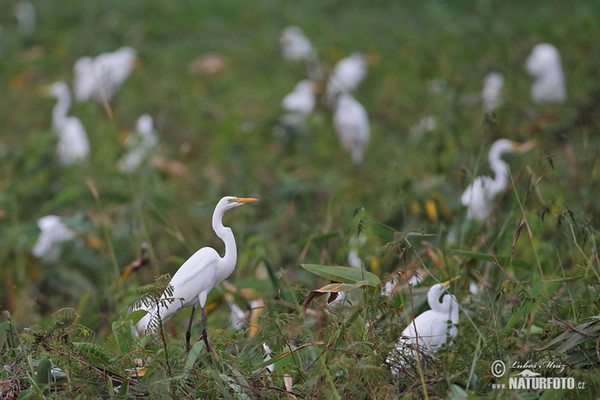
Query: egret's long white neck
<point x="226" y="235"/>
<point x="61" y="109"/>
<point x="500" y="169"/>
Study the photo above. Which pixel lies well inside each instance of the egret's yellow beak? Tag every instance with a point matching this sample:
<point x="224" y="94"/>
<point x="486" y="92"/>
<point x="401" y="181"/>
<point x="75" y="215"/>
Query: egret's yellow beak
<point x="524" y="147"/>
<point x="243" y="200"/>
<point x="449" y="281"/>
<point x="45" y="90"/>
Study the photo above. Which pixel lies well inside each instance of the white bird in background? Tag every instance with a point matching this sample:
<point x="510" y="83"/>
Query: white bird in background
<point x="73" y="144"/>
<point x="25" y="13"/>
<point x="299" y="103"/>
<point x="492" y="91"/>
<point x="99" y="78"/>
<point x="53" y="232"/>
<point x="430" y="330"/>
<point x="198" y="275"/>
<point x="347" y="74"/>
<point x="295" y="46"/>
<point x="351" y="123"/>
<point x="479" y="195"/>
<point x="139" y="144"/>
<point x="545" y="67"/>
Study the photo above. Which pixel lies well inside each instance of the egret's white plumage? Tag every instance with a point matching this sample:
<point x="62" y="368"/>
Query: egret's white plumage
<point x="199" y="274"/>
<point x="302" y="99"/>
<point x="545" y="67"/>
<point x="351" y="123"/>
<point x="99" y="78"/>
<point x="491" y="94"/>
<point x="295" y="45"/>
<point x="139" y="144"/>
<point x="53" y="232"/>
<point x="25" y="13"/>
<point x="347" y="74"/>
<point x="479" y="195"/>
<point x="430" y="330"/>
<point x="73" y="144"/>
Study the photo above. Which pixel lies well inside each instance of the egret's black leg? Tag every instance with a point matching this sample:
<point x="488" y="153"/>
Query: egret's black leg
<point x="204" y="335"/>
<point x="188" y="334"/>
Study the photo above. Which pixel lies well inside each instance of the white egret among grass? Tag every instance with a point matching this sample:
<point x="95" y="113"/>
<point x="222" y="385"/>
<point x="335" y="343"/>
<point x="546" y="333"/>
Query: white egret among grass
<point x="491" y="93"/>
<point x="53" y="232"/>
<point x="545" y="67"/>
<point x="479" y="195"/>
<point x="430" y="330"/>
<point x="347" y="74"/>
<point x="351" y="123"/>
<point x="99" y="78"/>
<point x="198" y="275"/>
<point x="73" y="144"/>
<point x="139" y="144"/>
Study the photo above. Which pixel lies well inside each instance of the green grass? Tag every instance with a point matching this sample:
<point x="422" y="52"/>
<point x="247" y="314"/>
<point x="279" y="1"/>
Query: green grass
<point x="539" y="303"/>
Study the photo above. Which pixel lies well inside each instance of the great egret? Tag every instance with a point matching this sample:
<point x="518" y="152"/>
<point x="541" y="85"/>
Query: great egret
<point x="351" y="123"/>
<point x="480" y="193"/>
<point x="99" y="78"/>
<point x="430" y="330"/>
<point x="73" y="144"/>
<point x="295" y="46"/>
<point x="139" y="144"/>
<point x="53" y="232"/>
<point x="492" y="91"/>
<point x="198" y="275"/>
<point x="302" y="99"/>
<point x="347" y="74"/>
<point x="545" y="67"/>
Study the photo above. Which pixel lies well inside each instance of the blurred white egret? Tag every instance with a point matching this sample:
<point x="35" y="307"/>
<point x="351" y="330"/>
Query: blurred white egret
<point x="73" y="144"/>
<point x="99" y="78"/>
<point x="545" y="67"/>
<point x="25" y="13"/>
<point x="302" y="99"/>
<point x="347" y="74"/>
<point x="492" y="91"/>
<point x="295" y="46"/>
<point x="53" y="232"/>
<point x="351" y="123"/>
<point x="198" y="275"/>
<point x="480" y="193"/>
<point x="430" y="330"/>
<point x="237" y="318"/>
<point x="139" y="144"/>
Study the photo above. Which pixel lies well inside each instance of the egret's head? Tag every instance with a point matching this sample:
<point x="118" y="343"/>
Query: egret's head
<point x="449" y="281"/>
<point x="57" y="89"/>
<point x="504" y="146"/>
<point x="231" y="202"/>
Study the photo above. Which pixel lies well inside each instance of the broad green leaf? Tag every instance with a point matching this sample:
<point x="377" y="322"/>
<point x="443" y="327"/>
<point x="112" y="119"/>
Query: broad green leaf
<point x="194" y="354"/>
<point x="342" y="274"/>
<point x="43" y="372"/>
<point x="124" y="332"/>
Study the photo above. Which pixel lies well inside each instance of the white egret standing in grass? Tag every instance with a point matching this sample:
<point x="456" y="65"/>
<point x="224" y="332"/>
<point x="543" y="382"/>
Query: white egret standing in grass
<point x="480" y="193"/>
<point x="53" y="232"/>
<point x="139" y="144"/>
<point x="99" y="78"/>
<point x="299" y="103"/>
<point x="430" y="330"/>
<point x="347" y="74"/>
<point x="295" y="46"/>
<point x="545" y="67"/>
<point x="491" y="94"/>
<point x="204" y="270"/>
<point x="73" y="144"/>
<point x="351" y="123"/>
